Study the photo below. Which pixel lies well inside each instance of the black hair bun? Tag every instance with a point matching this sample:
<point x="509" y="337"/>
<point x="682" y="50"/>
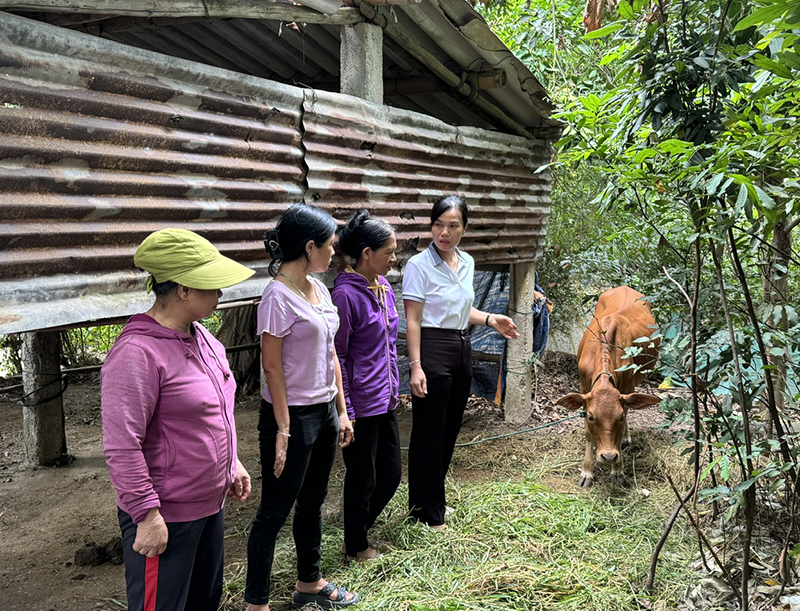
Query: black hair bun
<point x="348" y="234"/>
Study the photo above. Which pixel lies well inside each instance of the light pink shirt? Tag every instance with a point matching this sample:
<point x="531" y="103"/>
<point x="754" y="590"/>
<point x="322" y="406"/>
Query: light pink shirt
<point x="308" y="332"/>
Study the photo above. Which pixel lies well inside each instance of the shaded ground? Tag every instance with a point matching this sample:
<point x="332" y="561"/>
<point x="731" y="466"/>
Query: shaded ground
<point x="47" y="515"/>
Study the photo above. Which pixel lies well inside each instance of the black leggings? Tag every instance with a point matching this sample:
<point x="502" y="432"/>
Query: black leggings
<point x="373" y="474"/>
<point x="314" y="431"/>
<point x="436" y="419"/>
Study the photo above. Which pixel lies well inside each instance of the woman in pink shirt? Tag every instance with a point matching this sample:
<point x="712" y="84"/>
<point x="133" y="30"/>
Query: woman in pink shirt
<point x="303" y="413"/>
<point x="169" y="434"/>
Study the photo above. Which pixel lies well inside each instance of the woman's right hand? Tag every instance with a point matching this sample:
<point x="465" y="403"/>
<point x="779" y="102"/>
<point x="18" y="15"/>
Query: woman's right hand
<point x="151" y="535"/>
<point x="418" y="381"/>
<point x="281" y="443"/>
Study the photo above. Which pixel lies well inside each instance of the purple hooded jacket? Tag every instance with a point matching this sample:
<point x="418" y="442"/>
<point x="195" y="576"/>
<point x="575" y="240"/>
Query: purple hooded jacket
<point x="366" y="345"/>
<point x="168" y="430"/>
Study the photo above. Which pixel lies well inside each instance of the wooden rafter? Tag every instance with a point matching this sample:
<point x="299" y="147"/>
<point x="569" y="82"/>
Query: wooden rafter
<point x="243" y="9"/>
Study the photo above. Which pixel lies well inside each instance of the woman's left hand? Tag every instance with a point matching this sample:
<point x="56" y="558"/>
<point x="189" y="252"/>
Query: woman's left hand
<point x="346" y="433"/>
<point x="240" y="488"/>
<point x="504" y="326"/>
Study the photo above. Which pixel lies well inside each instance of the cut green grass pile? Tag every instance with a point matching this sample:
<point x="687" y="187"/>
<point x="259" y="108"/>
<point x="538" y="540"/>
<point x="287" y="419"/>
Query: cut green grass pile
<point x="511" y="545"/>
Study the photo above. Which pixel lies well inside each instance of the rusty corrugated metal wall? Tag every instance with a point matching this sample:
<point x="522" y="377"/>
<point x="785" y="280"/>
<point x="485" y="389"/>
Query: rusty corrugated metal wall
<point x="397" y="162"/>
<point x="100" y="144"/>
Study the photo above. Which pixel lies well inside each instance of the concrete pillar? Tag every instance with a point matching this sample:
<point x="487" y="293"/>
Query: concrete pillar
<point x="43" y="409"/>
<point x="518" y="379"/>
<point x="361" y="61"/>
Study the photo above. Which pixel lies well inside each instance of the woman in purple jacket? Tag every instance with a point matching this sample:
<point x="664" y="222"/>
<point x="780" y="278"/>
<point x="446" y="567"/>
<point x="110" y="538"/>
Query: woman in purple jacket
<point x="366" y="344"/>
<point x="169" y="435"/>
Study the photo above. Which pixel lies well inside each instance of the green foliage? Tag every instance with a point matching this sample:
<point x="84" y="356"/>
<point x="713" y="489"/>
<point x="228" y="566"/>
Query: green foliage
<point x="548" y="37"/>
<point x="10" y="364"/>
<point x="699" y="132"/>
<point x="678" y="174"/>
<point x="88" y="345"/>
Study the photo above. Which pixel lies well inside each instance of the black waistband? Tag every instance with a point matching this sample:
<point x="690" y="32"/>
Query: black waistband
<point x="436" y="333"/>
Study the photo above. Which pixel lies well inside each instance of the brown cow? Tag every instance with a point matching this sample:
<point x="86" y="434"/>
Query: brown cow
<point x="621" y="317"/>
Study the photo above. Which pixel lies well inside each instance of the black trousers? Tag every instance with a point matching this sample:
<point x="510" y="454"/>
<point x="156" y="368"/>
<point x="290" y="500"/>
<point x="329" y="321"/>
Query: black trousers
<point x="436" y="420"/>
<point x="372" y="476"/>
<point x="314" y="431"/>
<point x="187" y="576"/>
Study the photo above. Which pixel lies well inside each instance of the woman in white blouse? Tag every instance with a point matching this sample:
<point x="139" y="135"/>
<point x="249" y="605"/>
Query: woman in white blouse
<point x="438" y="295"/>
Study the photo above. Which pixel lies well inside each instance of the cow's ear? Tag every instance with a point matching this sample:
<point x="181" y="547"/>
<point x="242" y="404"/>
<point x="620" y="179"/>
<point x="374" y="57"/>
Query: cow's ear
<point x="573" y="401"/>
<point x="639" y="400"/>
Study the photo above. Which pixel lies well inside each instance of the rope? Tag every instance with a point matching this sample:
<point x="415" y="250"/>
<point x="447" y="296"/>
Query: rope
<point x="62" y="380"/>
<point x="534" y="428"/>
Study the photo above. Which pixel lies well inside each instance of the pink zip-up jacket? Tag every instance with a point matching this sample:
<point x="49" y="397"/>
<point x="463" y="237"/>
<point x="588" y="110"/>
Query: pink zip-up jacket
<point x="168" y="430"/>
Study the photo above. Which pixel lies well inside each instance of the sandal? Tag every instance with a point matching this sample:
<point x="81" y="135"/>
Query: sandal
<point x="322" y="598"/>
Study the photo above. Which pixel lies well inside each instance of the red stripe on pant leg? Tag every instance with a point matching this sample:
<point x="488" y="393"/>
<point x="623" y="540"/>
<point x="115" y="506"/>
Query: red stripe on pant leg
<point x="150" y="583"/>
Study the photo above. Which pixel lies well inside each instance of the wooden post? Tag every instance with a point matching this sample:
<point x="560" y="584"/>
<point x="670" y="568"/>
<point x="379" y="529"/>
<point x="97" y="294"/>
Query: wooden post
<point x="43" y="409"/>
<point x="518" y="378"/>
<point x="361" y="58"/>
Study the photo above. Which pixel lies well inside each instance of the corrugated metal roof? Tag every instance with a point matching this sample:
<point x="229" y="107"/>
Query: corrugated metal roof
<point x="451" y="31"/>
<point x="101" y="143"/>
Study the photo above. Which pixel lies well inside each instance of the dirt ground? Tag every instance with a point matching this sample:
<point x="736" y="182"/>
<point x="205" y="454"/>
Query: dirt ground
<point x="49" y="514"/>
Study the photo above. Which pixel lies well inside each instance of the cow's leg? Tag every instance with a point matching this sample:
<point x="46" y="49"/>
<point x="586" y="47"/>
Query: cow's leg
<point x="587" y="469"/>
<point x="626" y="436"/>
<point x="617" y="475"/>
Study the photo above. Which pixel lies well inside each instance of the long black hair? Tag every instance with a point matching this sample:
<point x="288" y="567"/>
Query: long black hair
<point x="299" y="224"/>
<point x="449" y="202"/>
<point x="363" y="231"/>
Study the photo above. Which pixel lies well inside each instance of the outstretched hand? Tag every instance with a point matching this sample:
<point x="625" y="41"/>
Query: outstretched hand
<point x="504" y="326"/>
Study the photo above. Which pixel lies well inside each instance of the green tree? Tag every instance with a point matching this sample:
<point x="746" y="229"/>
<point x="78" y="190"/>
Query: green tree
<point x="698" y="131"/>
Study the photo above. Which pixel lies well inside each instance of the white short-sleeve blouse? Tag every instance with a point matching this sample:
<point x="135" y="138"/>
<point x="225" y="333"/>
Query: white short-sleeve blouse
<point x="446" y="295"/>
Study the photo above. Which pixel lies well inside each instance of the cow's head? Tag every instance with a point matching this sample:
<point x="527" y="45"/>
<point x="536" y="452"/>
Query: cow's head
<point x="606" y="414"/>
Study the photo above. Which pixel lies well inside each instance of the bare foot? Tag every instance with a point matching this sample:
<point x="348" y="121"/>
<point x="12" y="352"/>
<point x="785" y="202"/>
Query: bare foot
<point x="257" y="607"/>
<point x="367" y="555"/>
<point x="364" y="555"/>
<point x="439" y="527"/>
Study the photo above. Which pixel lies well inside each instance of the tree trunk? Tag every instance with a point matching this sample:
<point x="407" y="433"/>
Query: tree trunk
<point x="775" y="284"/>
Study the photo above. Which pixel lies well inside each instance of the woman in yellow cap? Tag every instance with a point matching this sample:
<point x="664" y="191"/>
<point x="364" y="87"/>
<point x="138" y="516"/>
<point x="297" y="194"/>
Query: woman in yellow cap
<point x="169" y="434"/>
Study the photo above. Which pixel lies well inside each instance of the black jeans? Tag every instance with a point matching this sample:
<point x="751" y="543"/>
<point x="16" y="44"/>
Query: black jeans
<point x="373" y="474"/>
<point x="314" y="431"/>
<point x="188" y="575"/>
<point x="436" y="420"/>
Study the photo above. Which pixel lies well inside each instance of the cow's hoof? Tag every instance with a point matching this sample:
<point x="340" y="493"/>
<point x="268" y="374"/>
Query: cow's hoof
<point x="626" y="442"/>
<point x="586" y="481"/>
<point x="617" y="478"/>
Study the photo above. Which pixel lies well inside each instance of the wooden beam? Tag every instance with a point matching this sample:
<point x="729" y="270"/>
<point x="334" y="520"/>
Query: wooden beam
<point x="279" y="10"/>
<point x="422" y="84"/>
<point x="432" y="63"/>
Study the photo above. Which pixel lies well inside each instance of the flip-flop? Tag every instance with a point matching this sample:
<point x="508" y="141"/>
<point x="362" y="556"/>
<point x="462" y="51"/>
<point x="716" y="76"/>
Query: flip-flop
<point x="322" y="598"/>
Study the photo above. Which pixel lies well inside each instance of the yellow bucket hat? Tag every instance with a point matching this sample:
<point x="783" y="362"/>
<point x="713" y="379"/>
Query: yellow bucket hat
<point x="186" y="258"/>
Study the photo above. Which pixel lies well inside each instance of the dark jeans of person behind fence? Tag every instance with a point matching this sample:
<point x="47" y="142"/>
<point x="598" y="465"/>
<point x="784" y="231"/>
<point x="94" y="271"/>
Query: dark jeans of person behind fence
<point x="373" y="474"/>
<point x="187" y="576"/>
<point x="436" y="420"/>
<point x="314" y="431"/>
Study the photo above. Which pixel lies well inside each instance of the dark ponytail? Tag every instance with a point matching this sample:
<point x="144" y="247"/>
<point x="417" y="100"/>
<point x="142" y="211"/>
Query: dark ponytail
<point x="363" y="231"/>
<point x="449" y="202"/>
<point x="299" y="224"/>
